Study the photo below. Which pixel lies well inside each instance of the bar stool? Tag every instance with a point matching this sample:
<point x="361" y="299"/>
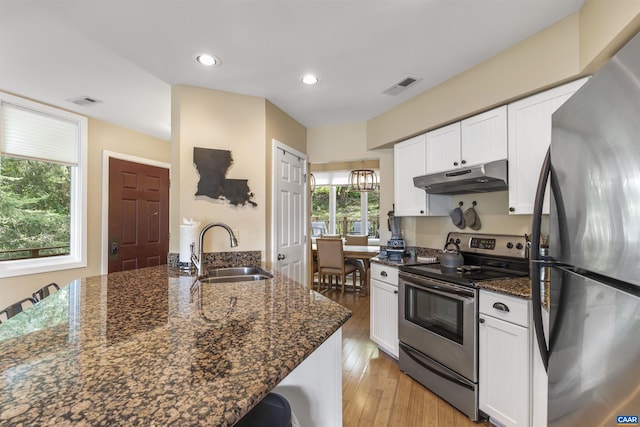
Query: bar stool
<point x="16" y="308"/>
<point x="272" y="411"/>
<point x="45" y="291"/>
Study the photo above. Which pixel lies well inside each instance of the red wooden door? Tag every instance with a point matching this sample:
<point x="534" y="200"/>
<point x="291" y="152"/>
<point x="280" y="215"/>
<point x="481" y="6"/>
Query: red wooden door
<point x="138" y="215"/>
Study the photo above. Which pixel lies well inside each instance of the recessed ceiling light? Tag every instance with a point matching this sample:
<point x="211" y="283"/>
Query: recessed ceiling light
<point x="310" y="79"/>
<point x="208" y="60"/>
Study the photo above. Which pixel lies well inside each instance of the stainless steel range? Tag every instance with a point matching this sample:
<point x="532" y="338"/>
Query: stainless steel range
<point x="438" y="315"/>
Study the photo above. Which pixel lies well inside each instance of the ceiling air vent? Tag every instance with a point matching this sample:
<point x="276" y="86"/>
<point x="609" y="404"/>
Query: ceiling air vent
<point x="84" y="100"/>
<point x="402" y="85"/>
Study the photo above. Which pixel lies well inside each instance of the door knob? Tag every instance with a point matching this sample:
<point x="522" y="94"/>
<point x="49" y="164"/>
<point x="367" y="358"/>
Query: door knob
<point x="113" y="249"/>
<point x="280" y="257"/>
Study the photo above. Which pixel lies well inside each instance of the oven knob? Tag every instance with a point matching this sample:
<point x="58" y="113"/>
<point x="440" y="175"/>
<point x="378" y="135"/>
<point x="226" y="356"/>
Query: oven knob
<point x="519" y="246"/>
<point x="457" y="241"/>
<point x="509" y="245"/>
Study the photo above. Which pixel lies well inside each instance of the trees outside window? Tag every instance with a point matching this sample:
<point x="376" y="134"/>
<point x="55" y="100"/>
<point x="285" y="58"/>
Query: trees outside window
<point x="348" y="217"/>
<point x="34" y="208"/>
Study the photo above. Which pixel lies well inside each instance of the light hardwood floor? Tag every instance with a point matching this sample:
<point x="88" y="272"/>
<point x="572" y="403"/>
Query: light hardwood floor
<point x="374" y="390"/>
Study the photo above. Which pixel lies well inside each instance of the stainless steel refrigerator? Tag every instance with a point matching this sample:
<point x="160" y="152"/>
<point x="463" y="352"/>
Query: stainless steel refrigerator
<point x="593" y="167"/>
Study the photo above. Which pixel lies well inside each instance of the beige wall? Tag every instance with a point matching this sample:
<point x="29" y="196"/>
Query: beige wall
<point x="431" y="232"/>
<point x="225" y="121"/>
<point x="102" y="136"/>
<point x="281" y="127"/>
<point x="605" y="26"/>
<point x="569" y="49"/>
<point x="338" y="143"/>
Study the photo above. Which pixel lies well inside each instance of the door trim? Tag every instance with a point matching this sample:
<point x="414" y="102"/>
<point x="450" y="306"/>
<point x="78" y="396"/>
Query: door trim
<point x="275" y="146"/>
<point x="104" y="240"/>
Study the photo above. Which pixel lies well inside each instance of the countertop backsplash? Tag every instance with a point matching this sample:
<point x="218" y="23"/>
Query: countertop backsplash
<point x="223" y="259"/>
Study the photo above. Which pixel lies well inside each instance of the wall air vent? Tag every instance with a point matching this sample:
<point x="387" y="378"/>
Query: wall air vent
<point x="84" y="100"/>
<point x="402" y="85"/>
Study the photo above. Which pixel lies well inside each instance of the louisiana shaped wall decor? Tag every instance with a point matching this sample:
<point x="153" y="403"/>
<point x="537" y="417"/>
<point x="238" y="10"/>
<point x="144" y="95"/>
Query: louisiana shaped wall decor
<point x="212" y="165"/>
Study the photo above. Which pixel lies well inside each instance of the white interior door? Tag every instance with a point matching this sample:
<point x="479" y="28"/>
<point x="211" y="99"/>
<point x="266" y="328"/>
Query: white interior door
<point x="290" y="212"/>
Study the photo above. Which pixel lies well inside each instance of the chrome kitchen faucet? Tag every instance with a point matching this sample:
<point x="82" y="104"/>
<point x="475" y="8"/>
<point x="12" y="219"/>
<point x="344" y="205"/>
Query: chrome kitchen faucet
<point x="197" y="259"/>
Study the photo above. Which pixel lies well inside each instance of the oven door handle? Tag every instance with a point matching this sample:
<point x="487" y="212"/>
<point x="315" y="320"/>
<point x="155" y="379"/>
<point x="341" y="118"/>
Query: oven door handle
<point x="419" y="359"/>
<point x="442" y="290"/>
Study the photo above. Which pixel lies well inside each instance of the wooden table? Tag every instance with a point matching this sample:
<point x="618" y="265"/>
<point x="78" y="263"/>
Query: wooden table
<point x="364" y="253"/>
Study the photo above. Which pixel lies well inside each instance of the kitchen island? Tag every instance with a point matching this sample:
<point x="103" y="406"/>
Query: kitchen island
<point x="147" y="347"/>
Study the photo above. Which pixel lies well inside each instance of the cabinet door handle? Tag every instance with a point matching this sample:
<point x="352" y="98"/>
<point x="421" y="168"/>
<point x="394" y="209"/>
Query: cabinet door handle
<point x="383" y="274"/>
<point x="421" y="212"/>
<point x="512" y="209"/>
<point x="481" y="320"/>
<point x="501" y="306"/>
<point x="464" y="162"/>
<point x="455" y="163"/>
<point x="395" y="292"/>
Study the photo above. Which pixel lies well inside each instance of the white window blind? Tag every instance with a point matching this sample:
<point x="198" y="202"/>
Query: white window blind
<point x="35" y="135"/>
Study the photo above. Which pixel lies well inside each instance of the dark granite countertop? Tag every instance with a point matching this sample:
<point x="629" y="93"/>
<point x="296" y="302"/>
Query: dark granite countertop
<point x="422" y="256"/>
<point x="517" y="287"/>
<point x="140" y="348"/>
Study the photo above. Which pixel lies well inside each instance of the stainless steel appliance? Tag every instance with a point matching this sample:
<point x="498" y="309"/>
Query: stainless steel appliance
<point x="482" y="178"/>
<point x="438" y="315"/>
<point x="593" y="355"/>
<point x="395" y="245"/>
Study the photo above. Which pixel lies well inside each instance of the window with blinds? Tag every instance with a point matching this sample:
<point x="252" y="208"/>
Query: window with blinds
<point x="42" y="187"/>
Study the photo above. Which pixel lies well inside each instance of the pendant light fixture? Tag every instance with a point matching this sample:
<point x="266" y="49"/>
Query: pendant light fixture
<point x="363" y="180"/>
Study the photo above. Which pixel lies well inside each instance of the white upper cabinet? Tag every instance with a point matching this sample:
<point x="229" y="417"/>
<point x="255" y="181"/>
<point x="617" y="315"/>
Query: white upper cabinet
<point x="409" y="158"/>
<point x="478" y="139"/>
<point x="484" y="137"/>
<point x="443" y="148"/>
<point x="408" y="161"/>
<point x="529" y="139"/>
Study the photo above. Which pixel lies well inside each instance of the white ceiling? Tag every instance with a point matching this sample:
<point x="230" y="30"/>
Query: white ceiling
<point x="128" y="53"/>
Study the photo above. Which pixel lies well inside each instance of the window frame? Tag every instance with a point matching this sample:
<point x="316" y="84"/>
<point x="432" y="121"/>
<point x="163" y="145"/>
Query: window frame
<point x="333" y="181"/>
<point x="77" y="257"/>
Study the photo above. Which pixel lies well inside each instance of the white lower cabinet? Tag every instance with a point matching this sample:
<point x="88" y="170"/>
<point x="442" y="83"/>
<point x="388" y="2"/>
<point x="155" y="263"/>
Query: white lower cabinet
<point x="384" y="308"/>
<point x="504" y="359"/>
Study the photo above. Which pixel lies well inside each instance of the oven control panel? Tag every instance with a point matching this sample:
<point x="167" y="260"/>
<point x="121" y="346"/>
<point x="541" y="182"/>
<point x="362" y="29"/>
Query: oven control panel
<point x="513" y="246"/>
<point x="482" y="243"/>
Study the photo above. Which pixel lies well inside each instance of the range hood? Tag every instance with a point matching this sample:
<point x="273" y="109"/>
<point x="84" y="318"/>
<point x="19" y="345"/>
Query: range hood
<point x="482" y="178"/>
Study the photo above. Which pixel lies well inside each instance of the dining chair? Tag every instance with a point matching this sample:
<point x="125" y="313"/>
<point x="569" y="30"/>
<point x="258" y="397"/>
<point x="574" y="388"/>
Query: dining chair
<point x="16" y="308"/>
<point x="45" y="291"/>
<point x="357" y="240"/>
<point x="331" y="262"/>
<point x="331" y="237"/>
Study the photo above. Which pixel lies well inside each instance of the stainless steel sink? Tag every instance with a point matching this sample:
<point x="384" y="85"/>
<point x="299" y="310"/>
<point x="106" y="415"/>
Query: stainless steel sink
<point x="235" y="274"/>
<point x="228" y="279"/>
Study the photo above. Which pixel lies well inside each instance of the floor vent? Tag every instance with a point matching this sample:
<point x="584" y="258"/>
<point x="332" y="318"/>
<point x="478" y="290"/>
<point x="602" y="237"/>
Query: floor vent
<point x="402" y="85"/>
<point x="84" y="100"/>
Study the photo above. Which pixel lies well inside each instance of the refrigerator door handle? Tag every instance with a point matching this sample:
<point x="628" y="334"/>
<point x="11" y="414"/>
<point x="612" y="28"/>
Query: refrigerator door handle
<point x="535" y="259"/>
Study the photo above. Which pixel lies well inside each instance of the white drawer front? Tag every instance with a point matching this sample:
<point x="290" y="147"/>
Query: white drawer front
<point x="384" y="273"/>
<point x="505" y="307"/>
